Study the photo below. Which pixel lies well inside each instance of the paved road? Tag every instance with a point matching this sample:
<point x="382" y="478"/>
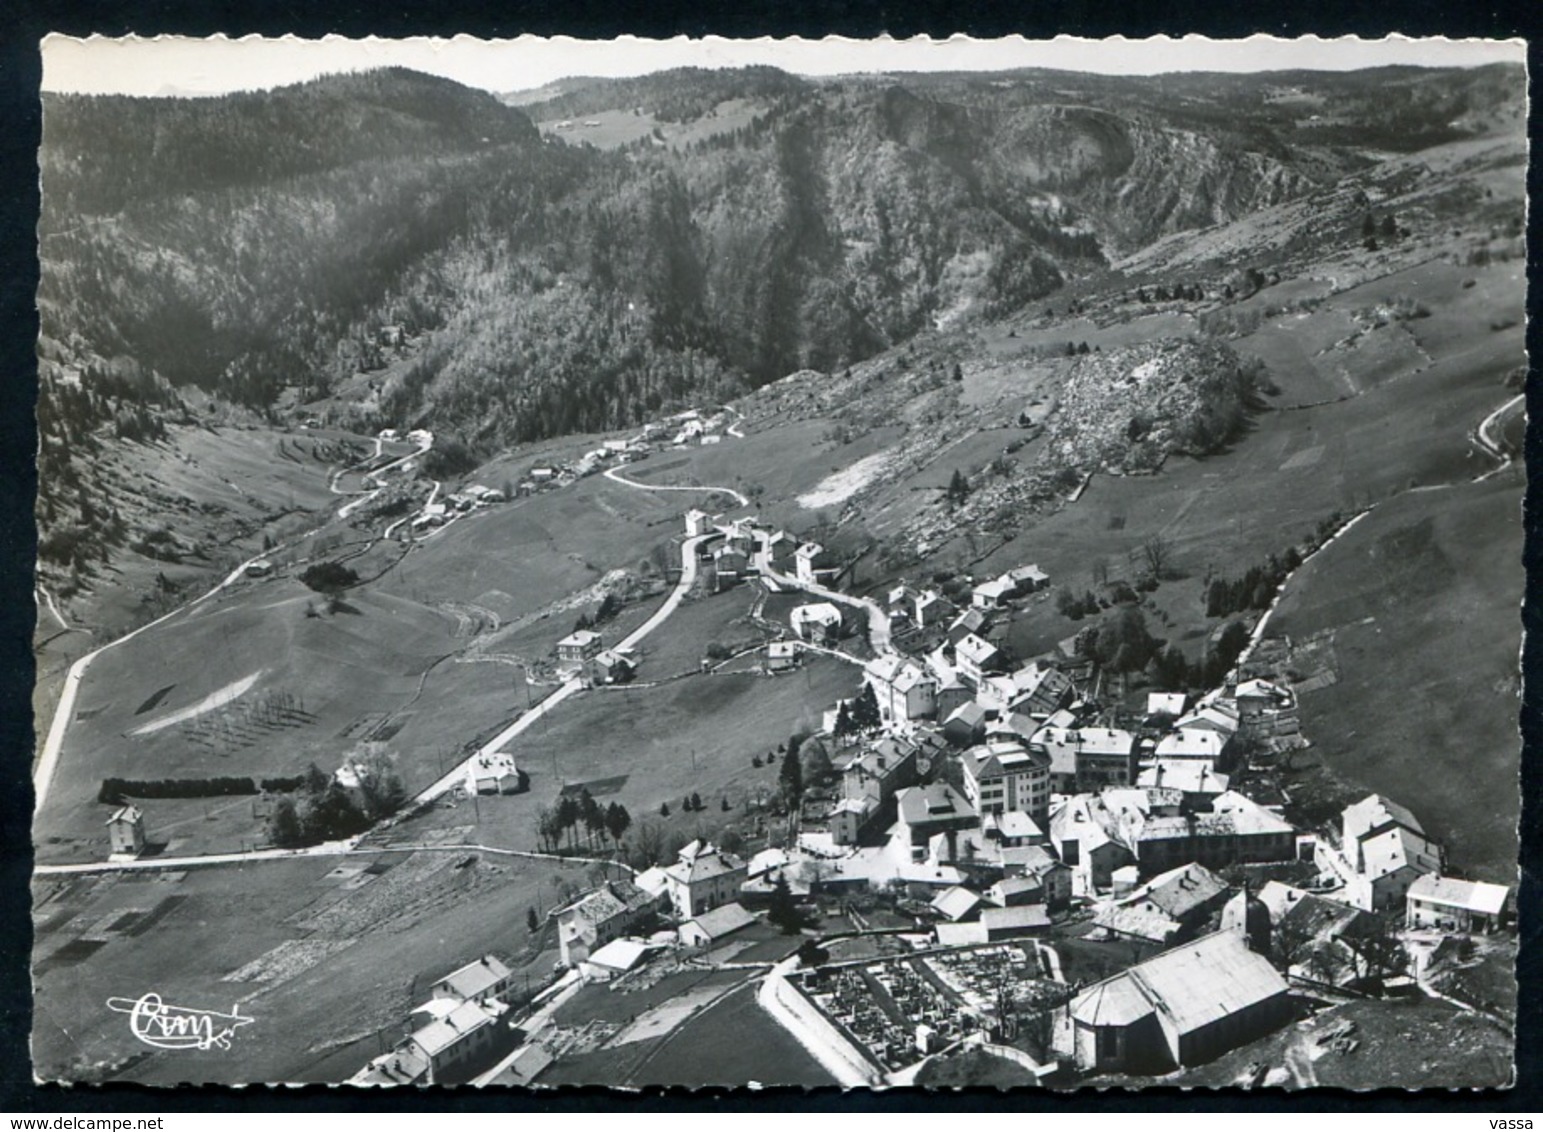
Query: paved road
<point x="145" y="864"/>
<point x="1280" y="591"/>
<point x="43" y="774"/>
<point x="326" y="849"/>
<point x="1486" y="440"/>
<point x="375" y="477"/>
<point x="613" y="474"/>
<point x="878" y="618"/>
<point x="433" y="495"/>
<point x="1490" y="421"/>
<point x="574" y="685"/>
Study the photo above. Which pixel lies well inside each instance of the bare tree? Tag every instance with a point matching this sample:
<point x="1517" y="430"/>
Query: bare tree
<point x="647" y="844"/>
<point x="1379" y="952"/>
<point x="1157" y="553"/>
<point x="1290" y="941"/>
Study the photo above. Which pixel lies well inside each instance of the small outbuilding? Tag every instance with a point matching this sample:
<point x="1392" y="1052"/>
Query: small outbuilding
<point x="126" y="832"/>
<point x="711" y="928"/>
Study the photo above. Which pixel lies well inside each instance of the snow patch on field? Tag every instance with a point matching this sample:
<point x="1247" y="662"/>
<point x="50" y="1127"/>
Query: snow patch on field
<point x="840" y="486"/>
<point x="209" y="703"/>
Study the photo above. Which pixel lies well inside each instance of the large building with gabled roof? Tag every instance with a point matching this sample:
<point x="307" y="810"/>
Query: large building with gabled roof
<point x="1183" y="1007"/>
<point x="705" y="877"/>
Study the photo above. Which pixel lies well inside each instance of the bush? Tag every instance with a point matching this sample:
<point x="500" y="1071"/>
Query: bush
<point x="328" y="577"/>
<point x="286" y="784"/>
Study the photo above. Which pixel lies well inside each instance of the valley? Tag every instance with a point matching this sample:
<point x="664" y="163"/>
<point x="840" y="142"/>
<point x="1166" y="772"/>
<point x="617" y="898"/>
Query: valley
<point x="532" y="509"/>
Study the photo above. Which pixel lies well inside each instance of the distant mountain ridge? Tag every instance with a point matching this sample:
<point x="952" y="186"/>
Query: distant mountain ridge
<point x="101" y="153"/>
<point x="260" y="241"/>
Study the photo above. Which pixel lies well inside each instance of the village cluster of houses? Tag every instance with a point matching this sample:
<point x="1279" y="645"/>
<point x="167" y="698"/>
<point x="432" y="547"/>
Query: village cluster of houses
<point x="1056" y="800"/>
<point x="468" y="499"/>
<point x="694" y="902"/>
<point x="465" y="1025"/>
<point x="678" y="431"/>
<point x="998" y="797"/>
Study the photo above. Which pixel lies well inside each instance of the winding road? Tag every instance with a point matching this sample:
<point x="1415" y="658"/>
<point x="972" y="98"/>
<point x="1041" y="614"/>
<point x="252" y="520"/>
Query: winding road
<point x="616" y="476"/>
<point x="1481" y="436"/>
<point x="574" y="684"/>
<point x="878" y="618"/>
<point x="1485" y="439"/>
<point x="374" y="477"/>
<point x="48" y="761"/>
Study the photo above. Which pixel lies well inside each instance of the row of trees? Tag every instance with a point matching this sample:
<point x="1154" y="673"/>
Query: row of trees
<point x="1123" y="644"/>
<point x="578" y="818"/>
<point x="859" y="716"/>
<point x="116" y="791"/>
<point x="1254" y="590"/>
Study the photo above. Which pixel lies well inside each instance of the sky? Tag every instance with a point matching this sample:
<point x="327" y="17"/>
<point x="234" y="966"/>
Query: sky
<point x="170" y="65"/>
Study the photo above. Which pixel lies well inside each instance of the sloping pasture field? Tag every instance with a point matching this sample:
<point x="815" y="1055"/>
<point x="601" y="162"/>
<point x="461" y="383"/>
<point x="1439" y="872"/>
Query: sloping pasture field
<point x="1424" y="600"/>
<point x="326" y="955"/>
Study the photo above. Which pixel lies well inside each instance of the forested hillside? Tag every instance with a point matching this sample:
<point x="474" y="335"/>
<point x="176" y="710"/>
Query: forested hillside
<point x="258" y="243"/>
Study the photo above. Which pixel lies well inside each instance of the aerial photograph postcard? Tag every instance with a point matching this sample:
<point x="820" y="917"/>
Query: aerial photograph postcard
<point x="706" y="562"/>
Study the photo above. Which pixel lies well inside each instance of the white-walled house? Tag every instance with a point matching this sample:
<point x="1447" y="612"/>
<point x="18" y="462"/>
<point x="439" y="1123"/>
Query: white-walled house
<point x="904" y="689"/>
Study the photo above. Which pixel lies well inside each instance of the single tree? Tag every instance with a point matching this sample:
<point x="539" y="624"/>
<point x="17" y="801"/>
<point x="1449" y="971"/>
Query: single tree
<point x="696" y="800"/>
<point x="811" y="954"/>
<point x="817" y="768"/>
<point x="284" y="829"/>
<point x="958" y="489"/>
<point x="592" y="816"/>
<point x="532" y="921"/>
<point x="783" y="910"/>
<point x="1157" y="554"/>
<point x="1291" y="940"/>
<point x="648" y="845"/>
<point x="664" y="809"/>
<point x="381" y="792"/>
<point x="791" y="779"/>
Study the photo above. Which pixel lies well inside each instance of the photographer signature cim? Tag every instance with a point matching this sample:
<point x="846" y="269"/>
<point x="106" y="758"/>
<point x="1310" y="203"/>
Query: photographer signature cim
<point x="157" y="1023"/>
